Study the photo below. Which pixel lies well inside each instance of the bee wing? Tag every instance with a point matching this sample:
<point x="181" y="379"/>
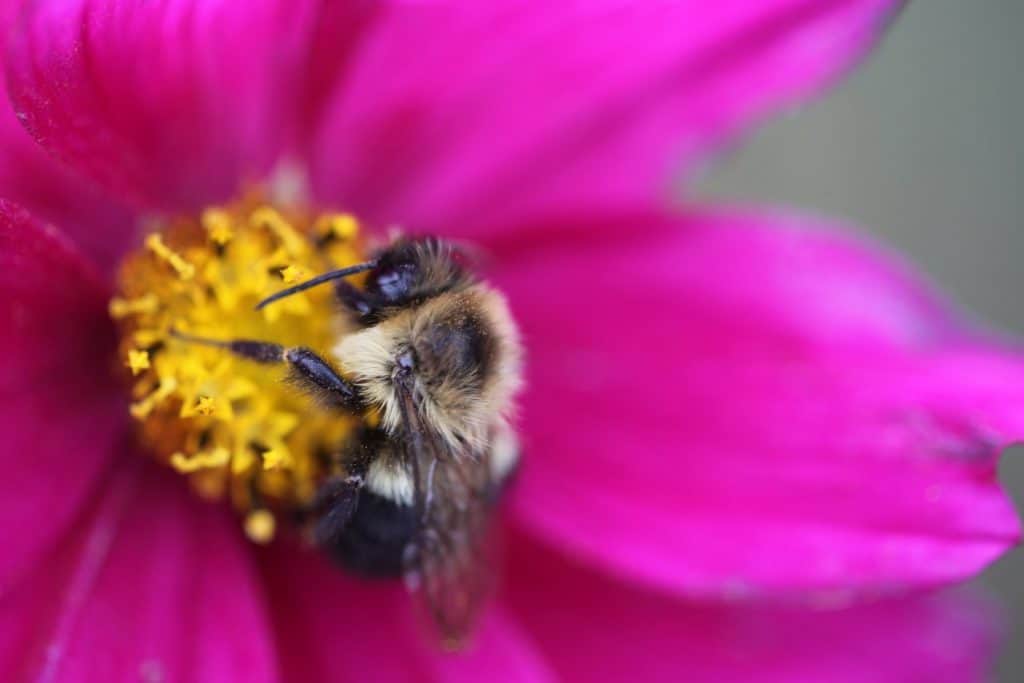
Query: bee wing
<point x="447" y="564"/>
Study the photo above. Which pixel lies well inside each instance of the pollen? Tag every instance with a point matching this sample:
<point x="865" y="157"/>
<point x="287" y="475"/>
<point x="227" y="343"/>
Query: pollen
<point x="205" y="406"/>
<point x="292" y="274"/>
<point x="233" y="427"/>
<point x="138" y="361"/>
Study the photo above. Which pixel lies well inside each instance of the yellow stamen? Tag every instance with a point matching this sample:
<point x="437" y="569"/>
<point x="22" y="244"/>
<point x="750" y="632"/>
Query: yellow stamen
<point x="218" y="224"/>
<point x="143" y="408"/>
<point x="230" y="425"/>
<point x="343" y="226"/>
<point x="183" y="268"/>
<point x="147" y="338"/>
<point x="122" y="308"/>
<point x="218" y="457"/>
<point x="242" y="461"/>
<point x="273" y="459"/>
<point x="269" y="218"/>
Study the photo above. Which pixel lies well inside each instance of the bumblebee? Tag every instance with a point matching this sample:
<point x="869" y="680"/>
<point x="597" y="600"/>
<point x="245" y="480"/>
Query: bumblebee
<point x="435" y="353"/>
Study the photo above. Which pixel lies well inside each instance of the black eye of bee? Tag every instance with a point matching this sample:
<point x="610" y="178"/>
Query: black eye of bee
<point x="393" y="280"/>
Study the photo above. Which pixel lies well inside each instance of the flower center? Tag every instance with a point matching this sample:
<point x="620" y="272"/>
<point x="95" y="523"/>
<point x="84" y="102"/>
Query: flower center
<point x="233" y="427"/>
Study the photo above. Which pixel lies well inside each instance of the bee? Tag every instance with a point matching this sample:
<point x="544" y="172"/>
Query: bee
<point x="436" y="354"/>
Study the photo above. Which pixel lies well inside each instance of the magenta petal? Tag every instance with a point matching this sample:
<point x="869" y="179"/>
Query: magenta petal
<point x="738" y="403"/>
<point x="102" y="228"/>
<point x="593" y="628"/>
<point x="171" y="104"/>
<point x="60" y="413"/>
<point x="155" y="586"/>
<point x="334" y="627"/>
<point x="473" y="116"/>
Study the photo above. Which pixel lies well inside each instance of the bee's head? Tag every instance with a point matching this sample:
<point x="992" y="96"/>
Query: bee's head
<point x="458" y="353"/>
<point x="412" y="270"/>
<point x="407" y="272"/>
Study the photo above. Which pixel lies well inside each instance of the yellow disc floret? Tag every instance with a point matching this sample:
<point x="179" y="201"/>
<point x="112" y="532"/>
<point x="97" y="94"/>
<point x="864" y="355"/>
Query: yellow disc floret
<point x="230" y="425"/>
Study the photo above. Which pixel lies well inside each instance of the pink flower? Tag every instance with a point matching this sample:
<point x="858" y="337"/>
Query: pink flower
<point x="724" y="408"/>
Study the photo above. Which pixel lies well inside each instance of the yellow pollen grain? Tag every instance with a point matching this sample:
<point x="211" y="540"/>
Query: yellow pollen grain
<point x="138" y="361"/>
<point x="183" y="268"/>
<point x="205" y="406"/>
<point x="292" y="274"/>
<point x="231" y="426"/>
<point x="260" y="526"/>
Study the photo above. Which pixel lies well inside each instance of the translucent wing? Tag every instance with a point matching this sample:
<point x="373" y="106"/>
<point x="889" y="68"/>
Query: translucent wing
<point x="447" y="563"/>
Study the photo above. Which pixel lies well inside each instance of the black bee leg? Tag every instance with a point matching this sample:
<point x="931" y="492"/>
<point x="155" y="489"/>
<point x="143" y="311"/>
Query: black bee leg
<point x="337" y="498"/>
<point x="316" y="377"/>
<point x="308" y="371"/>
<point x="353" y="299"/>
<point x="333" y="507"/>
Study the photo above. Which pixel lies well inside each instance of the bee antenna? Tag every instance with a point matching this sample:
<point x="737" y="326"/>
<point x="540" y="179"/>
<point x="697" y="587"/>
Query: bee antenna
<point x="318" y="280"/>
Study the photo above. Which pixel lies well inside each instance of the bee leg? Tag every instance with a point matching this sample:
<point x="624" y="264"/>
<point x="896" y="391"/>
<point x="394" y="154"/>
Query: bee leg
<point x="316" y="377"/>
<point x="338" y="496"/>
<point x="308" y="371"/>
<point x="353" y="299"/>
<point x="334" y="505"/>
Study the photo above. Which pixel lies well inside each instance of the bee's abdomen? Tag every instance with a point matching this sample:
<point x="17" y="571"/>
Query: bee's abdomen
<point x="376" y="537"/>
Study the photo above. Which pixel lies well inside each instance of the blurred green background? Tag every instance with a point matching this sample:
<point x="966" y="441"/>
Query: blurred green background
<point x="924" y="147"/>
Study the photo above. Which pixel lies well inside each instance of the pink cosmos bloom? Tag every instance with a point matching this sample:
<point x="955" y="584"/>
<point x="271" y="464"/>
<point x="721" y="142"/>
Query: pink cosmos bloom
<point x="724" y="408"/>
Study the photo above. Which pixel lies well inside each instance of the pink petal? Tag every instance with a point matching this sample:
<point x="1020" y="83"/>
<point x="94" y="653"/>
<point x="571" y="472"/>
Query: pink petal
<point x="593" y="628"/>
<point x="332" y="626"/>
<point x="471" y="117"/>
<point x="60" y="412"/>
<point x="739" y="403"/>
<point x="102" y="228"/>
<point x="155" y="586"/>
<point x="170" y="104"/>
